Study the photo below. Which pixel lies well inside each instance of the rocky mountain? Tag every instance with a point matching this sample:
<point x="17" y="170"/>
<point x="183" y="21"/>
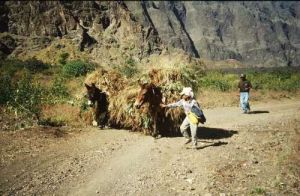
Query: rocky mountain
<point x="255" y="33"/>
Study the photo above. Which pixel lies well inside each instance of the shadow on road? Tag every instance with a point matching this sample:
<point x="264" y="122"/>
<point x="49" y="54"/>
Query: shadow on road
<point x="208" y="144"/>
<point x="214" y="133"/>
<point x="212" y="144"/>
<point x="259" y="112"/>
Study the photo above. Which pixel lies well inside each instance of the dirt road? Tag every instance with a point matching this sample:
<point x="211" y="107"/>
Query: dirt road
<point x="238" y="154"/>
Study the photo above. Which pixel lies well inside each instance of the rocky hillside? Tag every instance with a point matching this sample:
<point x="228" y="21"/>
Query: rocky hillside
<point x="255" y="33"/>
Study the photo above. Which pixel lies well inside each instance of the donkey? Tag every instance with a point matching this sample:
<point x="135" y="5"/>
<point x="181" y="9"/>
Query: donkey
<point x="151" y="94"/>
<point x="162" y="123"/>
<point x="99" y="102"/>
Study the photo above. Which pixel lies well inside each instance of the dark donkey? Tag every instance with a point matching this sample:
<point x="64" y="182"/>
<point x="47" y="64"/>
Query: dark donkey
<point x="151" y="94"/>
<point x="163" y="125"/>
<point x="98" y="100"/>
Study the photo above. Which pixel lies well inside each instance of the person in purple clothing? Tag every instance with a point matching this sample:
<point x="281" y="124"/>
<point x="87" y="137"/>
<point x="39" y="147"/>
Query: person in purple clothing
<point x="187" y="101"/>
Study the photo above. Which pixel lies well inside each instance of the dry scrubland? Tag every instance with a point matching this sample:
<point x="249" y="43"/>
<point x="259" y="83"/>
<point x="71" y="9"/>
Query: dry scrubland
<point x="61" y="82"/>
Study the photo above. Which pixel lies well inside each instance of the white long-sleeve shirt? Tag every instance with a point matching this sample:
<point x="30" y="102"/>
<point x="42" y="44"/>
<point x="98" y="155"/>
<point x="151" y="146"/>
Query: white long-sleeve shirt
<point x="187" y="105"/>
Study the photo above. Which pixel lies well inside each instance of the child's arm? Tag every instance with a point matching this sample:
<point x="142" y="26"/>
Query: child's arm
<point x="174" y="105"/>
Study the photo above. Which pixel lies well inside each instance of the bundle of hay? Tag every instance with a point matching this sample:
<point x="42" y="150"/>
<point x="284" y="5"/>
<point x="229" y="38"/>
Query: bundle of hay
<point x="122" y="93"/>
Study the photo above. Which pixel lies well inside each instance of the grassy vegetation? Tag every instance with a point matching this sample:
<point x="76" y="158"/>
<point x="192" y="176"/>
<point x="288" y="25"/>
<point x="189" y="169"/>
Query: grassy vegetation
<point x="286" y="80"/>
<point x="77" y="68"/>
<point x="51" y="122"/>
<point x="11" y="66"/>
<point x="63" y="58"/>
<point x="26" y="98"/>
<point x="219" y="81"/>
<point x="190" y="77"/>
<point x="5" y="88"/>
<point x="24" y="93"/>
<point x="258" y="191"/>
<point x="58" y="90"/>
<point x="34" y="65"/>
<point x="129" y="69"/>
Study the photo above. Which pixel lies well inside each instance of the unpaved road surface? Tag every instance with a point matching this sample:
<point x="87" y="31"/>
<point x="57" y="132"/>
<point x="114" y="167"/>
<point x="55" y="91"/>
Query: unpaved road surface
<point x="238" y="154"/>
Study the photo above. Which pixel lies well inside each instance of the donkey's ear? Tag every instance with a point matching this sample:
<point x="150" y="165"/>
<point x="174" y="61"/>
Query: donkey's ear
<point x="87" y="86"/>
<point x="163" y="100"/>
<point x="140" y="83"/>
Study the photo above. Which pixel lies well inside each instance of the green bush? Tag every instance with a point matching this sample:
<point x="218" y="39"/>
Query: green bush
<point x="77" y="68"/>
<point x="130" y="61"/>
<point x="63" y="58"/>
<point x="217" y="81"/>
<point x="129" y="69"/>
<point x="6" y="90"/>
<point x="84" y="105"/>
<point x="189" y="78"/>
<point x="35" y="65"/>
<point x="279" y="80"/>
<point x="276" y="80"/>
<point x="11" y="66"/>
<point x="59" y="89"/>
<point x="27" y="97"/>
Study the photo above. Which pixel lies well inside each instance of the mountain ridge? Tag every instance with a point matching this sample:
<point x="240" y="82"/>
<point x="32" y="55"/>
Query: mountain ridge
<point x="262" y="34"/>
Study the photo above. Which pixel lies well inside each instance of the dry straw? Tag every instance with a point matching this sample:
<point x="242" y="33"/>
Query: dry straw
<point x="122" y="93"/>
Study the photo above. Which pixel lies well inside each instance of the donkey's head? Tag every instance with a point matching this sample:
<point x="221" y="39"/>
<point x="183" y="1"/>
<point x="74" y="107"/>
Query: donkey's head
<point x="148" y="93"/>
<point x="92" y="94"/>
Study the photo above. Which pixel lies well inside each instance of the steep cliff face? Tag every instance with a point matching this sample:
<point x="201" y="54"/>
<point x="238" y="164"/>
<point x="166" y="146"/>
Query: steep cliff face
<point x="168" y="19"/>
<point x="93" y="26"/>
<point x="255" y="33"/>
<point x="259" y="33"/>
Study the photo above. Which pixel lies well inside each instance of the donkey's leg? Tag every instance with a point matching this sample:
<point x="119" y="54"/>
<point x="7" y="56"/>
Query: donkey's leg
<point x="156" y="133"/>
<point x="94" y="123"/>
<point x="103" y="119"/>
<point x="97" y="114"/>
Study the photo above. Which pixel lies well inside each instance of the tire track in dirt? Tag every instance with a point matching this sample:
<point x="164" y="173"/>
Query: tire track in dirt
<point x="121" y="166"/>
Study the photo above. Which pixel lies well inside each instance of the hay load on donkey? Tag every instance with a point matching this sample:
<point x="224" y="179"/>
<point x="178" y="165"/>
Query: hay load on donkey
<point x="134" y="103"/>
